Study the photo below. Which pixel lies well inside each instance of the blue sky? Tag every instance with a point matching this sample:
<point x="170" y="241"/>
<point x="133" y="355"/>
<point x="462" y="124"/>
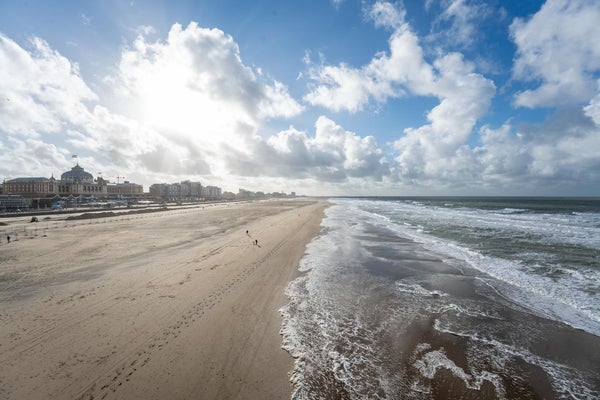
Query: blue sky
<point x="436" y="97"/>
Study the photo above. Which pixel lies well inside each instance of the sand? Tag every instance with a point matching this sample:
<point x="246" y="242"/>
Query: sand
<point x="174" y="305"/>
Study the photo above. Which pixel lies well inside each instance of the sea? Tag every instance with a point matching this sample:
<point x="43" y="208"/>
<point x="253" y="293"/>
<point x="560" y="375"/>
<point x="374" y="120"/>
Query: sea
<point x="449" y="298"/>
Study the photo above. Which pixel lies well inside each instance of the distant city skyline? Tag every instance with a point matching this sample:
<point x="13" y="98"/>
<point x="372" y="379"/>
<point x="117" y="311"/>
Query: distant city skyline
<point x="340" y="97"/>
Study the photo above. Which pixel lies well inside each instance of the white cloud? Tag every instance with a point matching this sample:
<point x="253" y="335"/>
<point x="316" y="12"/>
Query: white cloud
<point x="556" y="157"/>
<point x="196" y="109"/>
<point x="464" y="18"/>
<point x="431" y="150"/>
<point x="337" y="3"/>
<point x="85" y="20"/>
<point x="332" y="154"/>
<point x="47" y="102"/>
<point x="387" y="75"/>
<point x="386" y="15"/>
<point x="592" y="110"/>
<point x="36" y="157"/>
<point x="345" y="88"/>
<point x="559" y="155"/>
<point x="403" y="70"/>
<point x="145" y="30"/>
<point x="405" y="67"/>
<point x="194" y="90"/>
<point x="198" y="74"/>
<point x="41" y="90"/>
<point x="558" y="47"/>
<point x="187" y="105"/>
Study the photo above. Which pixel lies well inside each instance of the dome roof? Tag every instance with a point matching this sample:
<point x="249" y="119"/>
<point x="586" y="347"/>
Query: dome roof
<point x="77" y="174"/>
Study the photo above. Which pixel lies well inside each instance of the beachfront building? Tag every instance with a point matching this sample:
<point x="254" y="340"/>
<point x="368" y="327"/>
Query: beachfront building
<point x="174" y="190"/>
<point x="125" y="189"/>
<point x="228" y="196"/>
<point x="244" y="194"/>
<point x="159" y="190"/>
<point x="74" y="183"/>
<point x="182" y="191"/>
<point x="31" y="187"/>
<point x="165" y="191"/>
<point x="212" y="192"/>
<point x="195" y="190"/>
<point x="191" y="190"/>
<point x="79" y="182"/>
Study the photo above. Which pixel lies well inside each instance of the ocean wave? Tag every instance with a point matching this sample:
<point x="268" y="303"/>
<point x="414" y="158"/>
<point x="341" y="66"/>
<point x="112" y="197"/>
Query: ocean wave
<point x="570" y="298"/>
<point x="565" y="380"/>
<point x="418" y="290"/>
<point x="511" y="211"/>
<point x="430" y="362"/>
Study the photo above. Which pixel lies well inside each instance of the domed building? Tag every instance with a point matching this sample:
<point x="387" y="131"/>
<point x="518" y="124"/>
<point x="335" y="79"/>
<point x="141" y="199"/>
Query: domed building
<point x="77" y="175"/>
<point x="78" y="182"/>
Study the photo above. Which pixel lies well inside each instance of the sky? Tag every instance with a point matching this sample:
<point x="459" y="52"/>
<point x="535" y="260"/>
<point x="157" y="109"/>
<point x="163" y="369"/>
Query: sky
<point x="329" y="97"/>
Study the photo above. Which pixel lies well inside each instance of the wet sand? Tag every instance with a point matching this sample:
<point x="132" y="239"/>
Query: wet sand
<point x="178" y="304"/>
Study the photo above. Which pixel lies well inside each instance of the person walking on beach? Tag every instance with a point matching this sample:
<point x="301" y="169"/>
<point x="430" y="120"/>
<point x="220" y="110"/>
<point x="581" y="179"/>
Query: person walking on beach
<point x="7" y="238"/>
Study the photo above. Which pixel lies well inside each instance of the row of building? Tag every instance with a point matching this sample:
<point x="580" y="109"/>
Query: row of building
<point x="76" y="187"/>
<point x="71" y="183"/>
<point x="185" y="191"/>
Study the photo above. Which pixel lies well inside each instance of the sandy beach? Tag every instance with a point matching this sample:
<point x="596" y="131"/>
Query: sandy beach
<point x="178" y="304"/>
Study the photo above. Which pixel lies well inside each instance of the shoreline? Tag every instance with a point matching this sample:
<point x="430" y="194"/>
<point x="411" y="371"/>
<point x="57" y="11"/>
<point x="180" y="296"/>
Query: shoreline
<point x="179" y="305"/>
<point x="383" y="315"/>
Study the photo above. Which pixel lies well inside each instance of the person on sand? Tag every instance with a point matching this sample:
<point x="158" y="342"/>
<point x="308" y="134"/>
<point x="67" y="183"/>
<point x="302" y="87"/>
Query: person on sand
<point x="256" y="242"/>
<point x="247" y="233"/>
<point x="7" y="238"/>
